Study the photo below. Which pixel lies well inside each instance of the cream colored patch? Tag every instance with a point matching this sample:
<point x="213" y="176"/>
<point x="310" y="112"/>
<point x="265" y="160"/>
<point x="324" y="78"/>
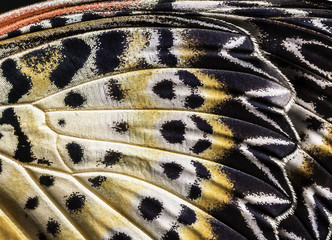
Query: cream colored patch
<point x="41" y="138"/>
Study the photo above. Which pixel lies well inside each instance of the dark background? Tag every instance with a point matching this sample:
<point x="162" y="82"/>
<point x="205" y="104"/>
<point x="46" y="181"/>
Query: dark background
<point x="13" y="4"/>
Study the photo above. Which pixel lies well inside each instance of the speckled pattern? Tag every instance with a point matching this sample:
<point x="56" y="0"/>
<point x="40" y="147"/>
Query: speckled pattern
<point x="157" y="119"/>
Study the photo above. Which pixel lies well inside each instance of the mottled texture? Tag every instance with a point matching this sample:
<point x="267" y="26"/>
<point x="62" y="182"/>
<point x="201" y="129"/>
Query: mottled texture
<point x="166" y="120"/>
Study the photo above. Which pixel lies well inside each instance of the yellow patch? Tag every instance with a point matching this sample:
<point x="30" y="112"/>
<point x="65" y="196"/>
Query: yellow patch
<point x="186" y="51"/>
<point x="200" y="230"/>
<point x="39" y="69"/>
<point x="8" y="230"/>
<point x="136" y="43"/>
<point x="216" y="191"/>
<point x="213" y="92"/>
<point x="222" y="139"/>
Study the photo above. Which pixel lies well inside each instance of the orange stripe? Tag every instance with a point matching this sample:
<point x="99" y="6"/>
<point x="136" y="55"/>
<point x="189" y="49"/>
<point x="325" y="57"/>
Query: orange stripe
<point x="24" y="19"/>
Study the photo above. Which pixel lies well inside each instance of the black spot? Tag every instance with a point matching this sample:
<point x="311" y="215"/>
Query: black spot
<point x="200" y="146"/>
<point x="187" y="216"/>
<point x="21" y="84"/>
<point x="36" y="28"/>
<point x="0" y="166"/>
<point x="75" y="202"/>
<point x="75" y="152"/>
<point x="114" y="90"/>
<point x="74" y="100"/>
<point x="46" y="180"/>
<point x="121" y="127"/>
<point x="53" y="227"/>
<point x="14" y="33"/>
<point x="32" y="203"/>
<point x="61" y="122"/>
<point x="172" y="170"/>
<point x="120" y="236"/>
<point x="202" y="124"/>
<point x="111" y="158"/>
<point x="164" y="89"/>
<point x="90" y="16"/>
<point x="314" y="124"/>
<point x="173" y="131"/>
<point x="58" y="22"/>
<point x="171" y="235"/>
<point x="75" y="52"/>
<point x="150" y="208"/>
<point x="97" y="181"/>
<point x="194" y="192"/>
<point x="201" y="170"/>
<point x="194" y="101"/>
<point x="112" y="45"/>
<point x="23" y="152"/>
<point x="41" y="236"/>
<point x="189" y="79"/>
<point x="44" y="161"/>
<point x="1" y="135"/>
<point x="166" y="43"/>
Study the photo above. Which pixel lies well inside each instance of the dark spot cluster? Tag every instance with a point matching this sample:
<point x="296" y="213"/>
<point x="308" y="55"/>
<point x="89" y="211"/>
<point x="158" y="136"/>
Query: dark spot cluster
<point x="195" y="192"/>
<point x="150" y="208"/>
<point x="171" y="235"/>
<point x="189" y="79"/>
<point x="37" y="59"/>
<point x="75" y="152"/>
<point x="44" y="161"/>
<point x="61" y="122"/>
<point x="46" y="180"/>
<point x="75" y="202"/>
<point x="164" y="89"/>
<point x="14" y="33"/>
<point x="111" y="46"/>
<point x="121" y="127"/>
<point x="200" y="146"/>
<point x="53" y="227"/>
<point x="201" y="171"/>
<point x="75" y="52"/>
<point x="202" y="124"/>
<point x="114" y="90"/>
<point x="187" y="216"/>
<point x="164" y="48"/>
<point x="313" y="124"/>
<point x="41" y="236"/>
<point x="21" y="84"/>
<point x="111" y="158"/>
<point x="74" y="100"/>
<point x="97" y="181"/>
<point x="32" y="203"/>
<point x="172" y="170"/>
<point x="194" y="100"/>
<point x="120" y="236"/>
<point x="173" y="131"/>
<point x="23" y="151"/>
<point x="58" y="22"/>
